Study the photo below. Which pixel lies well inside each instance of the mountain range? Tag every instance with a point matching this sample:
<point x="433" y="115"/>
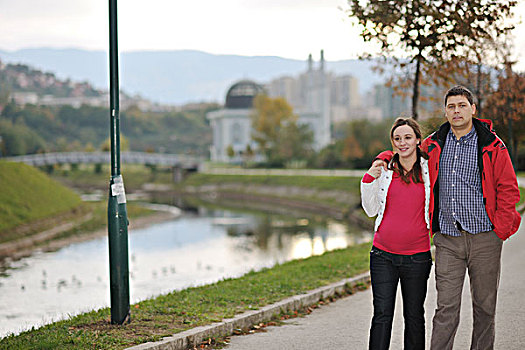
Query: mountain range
<point x="178" y="77"/>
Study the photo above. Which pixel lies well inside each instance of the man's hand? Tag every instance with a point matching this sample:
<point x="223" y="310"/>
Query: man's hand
<point x="375" y="169"/>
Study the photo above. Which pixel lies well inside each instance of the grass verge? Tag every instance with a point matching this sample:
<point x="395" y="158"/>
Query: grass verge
<point x="168" y="314"/>
<point x="322" y="183"/>
<point x="85" y="177"/>
<point x="100" y="217"/>
<point x="29" y="195"/>
<point x="329" y="194"/>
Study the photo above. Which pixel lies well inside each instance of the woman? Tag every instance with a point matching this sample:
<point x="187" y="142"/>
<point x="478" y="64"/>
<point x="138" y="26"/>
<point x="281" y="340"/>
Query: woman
<point x="399" y="196"/>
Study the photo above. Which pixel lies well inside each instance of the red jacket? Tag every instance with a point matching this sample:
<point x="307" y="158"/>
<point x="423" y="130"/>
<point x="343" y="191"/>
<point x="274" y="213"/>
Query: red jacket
<point x="498" y="179"/>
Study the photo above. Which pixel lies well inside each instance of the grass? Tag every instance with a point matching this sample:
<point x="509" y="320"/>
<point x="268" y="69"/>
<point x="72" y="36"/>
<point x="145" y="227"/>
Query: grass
<point x="322" y="189"/>
<point x="337" y="192"/>
<point x="27" y="195"/>
<point x="165" y="315"/>
<point x="84" y="176"/>
<point x="321" y="183"/>
<point x="98" y="220"/>
<point x="31" y="202"/>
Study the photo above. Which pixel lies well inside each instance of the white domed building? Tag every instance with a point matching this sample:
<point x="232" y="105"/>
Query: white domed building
<point x="232" y="125"/>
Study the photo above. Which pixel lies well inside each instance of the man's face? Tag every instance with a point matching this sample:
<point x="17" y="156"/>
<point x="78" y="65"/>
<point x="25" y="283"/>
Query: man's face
<point x="459" y="113"/>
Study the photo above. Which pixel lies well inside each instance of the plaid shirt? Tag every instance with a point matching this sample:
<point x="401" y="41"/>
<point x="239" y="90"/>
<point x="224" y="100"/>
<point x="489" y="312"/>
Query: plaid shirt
<point x="460" y="193"/>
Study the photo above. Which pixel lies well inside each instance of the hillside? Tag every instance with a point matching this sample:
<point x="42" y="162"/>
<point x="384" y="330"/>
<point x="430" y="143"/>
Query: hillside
<point x="16" y="78"/>
<point x="35" y="117"/>
<point x="28" y="195"/>
<point x="178" y="77"/>
<point x="32" y="129"/>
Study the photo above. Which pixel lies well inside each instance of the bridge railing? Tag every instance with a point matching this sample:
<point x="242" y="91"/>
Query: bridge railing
<point x="174" y="160"/>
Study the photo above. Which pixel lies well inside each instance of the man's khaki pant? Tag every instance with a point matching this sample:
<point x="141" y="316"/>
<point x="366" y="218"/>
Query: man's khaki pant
<point x="480" y="254"/>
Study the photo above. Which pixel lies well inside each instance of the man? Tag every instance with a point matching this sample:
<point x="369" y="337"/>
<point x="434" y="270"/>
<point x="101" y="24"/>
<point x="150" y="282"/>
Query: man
<point x="473" y="210"/>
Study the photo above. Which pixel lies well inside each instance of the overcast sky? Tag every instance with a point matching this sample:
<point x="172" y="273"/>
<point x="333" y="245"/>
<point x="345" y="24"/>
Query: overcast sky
<point x="286" y="28"/>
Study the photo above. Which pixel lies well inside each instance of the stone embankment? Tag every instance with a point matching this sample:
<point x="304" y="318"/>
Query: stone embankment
<point x="47" y="240"/>
<point x="332" y="203"/>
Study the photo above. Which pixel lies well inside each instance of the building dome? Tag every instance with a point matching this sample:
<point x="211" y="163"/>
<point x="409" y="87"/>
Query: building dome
<point x="241" y="94"/>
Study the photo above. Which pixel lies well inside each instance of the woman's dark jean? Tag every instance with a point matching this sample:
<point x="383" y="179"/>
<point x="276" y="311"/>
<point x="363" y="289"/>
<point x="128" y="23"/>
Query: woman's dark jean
<point x="386" y="270"/>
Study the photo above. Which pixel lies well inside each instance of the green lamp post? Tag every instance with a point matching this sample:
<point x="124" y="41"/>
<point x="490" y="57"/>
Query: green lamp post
<point x="117" y="213"/>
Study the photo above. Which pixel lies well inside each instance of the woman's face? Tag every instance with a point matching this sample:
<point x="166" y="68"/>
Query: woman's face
<point x="405" y="141"/>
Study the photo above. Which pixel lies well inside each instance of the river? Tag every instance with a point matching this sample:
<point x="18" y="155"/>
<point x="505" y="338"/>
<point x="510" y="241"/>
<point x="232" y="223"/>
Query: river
<point x="201" y="246"/>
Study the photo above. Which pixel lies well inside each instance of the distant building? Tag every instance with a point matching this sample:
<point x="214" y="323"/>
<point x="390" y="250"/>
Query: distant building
<point x="318" y="91"/>
<point x="390" y="104"/>
<point x="21" y="98"/>
<point x="232" y="125"/>
<point x="319" y="98"/>
<point x="393" y="105"/>
<point x="337" y="99"/>
<point x="101" y="100"/>
<point x="345" y="100"/>
<point x="76" y="102"/>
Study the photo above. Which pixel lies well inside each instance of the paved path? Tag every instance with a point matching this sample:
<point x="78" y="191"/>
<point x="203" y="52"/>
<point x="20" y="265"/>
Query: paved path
<point x="344" y="324"/>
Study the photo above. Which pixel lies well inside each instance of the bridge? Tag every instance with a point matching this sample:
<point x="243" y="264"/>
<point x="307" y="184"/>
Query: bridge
<point x="172" y="160"/>
<point x="179" y="163"/>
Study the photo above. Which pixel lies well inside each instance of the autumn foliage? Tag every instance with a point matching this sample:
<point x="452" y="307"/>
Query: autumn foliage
<point x="412" y="35"/>
<point x="506" y="107"/>
<point x="276" y="131"/>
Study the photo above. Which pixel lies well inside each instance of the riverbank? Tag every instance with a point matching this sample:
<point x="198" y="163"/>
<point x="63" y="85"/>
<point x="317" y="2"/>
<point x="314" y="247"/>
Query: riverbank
<point x="29" y="200"/>
<point x="194" y="307"/>
<point x="334" y="196"/>
<point x="330" y="193"/>
<point x="163" y="316"/>
<point x="58" y="237"/>
<point x="100" y="216"/>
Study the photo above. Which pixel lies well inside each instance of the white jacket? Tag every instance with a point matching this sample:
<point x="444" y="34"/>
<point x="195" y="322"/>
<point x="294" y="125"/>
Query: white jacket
<point x="374" y="194"/>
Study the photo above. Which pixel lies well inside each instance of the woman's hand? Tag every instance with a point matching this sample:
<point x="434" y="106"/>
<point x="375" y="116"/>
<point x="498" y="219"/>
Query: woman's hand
<point x="375" y="169"/>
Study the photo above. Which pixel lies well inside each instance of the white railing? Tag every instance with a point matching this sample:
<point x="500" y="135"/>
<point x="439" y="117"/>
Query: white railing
<point x="104" y="157"/>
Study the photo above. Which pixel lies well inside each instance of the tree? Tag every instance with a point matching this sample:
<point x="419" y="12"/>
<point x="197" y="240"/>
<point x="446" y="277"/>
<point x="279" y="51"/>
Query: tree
<point x="230" y="151"/>
<point x="270" y="114"/>
<point x="4" y="95"/>
<point x="248" y="154"/>
<point x="10" y="111"/>
<point x="351" y="148"/>
<point x="124" y="144"/>
<point x="89" y="147"/>
<point x="18" y="139"/>
<point x="277" y="133"/>
<point x="506" y="105"/>
<point x="427" y="30"/>
<point x="476" y="69"/>
<point x="294" y="143"/>
<point x="330" y="156"/>
<point x="363" y="140"/>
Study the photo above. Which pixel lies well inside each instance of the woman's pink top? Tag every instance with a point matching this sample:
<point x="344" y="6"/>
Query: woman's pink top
<point x="403" y="229"/>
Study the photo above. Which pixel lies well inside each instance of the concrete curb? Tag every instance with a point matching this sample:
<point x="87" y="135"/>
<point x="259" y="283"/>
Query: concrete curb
<point x="193" y="337"/>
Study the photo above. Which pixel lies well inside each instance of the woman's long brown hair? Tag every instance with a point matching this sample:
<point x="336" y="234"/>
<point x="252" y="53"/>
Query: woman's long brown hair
<point x="414" y="174"/>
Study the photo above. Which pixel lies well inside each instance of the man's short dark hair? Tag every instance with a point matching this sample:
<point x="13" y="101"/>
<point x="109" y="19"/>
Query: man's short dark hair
<point x="459" y="90"/>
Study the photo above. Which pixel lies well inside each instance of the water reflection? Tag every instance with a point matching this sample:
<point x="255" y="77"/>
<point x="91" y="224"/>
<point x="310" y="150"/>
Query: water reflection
<point x="200" y="247"/>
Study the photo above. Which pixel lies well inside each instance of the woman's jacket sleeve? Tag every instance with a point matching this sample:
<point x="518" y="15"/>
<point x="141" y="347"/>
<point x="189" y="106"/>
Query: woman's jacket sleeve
<point x="370" y="198"/>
